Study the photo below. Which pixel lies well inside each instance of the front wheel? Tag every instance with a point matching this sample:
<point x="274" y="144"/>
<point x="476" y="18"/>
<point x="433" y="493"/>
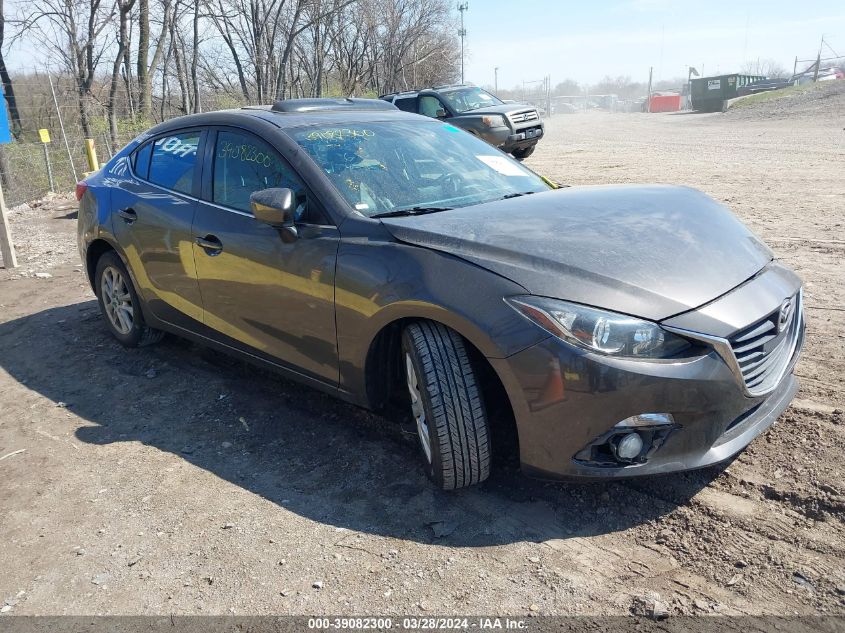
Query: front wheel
<point x="447" y="405"/>
<point x="522" y="154"/>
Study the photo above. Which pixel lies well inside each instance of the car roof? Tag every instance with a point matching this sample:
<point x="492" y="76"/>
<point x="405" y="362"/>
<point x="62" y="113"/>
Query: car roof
<point x="327" y="117"/>
<point x="431" y="89"/>
<point x="283" y="120"/>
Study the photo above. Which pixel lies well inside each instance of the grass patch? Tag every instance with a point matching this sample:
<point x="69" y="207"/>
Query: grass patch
<point x="773" y="95"/>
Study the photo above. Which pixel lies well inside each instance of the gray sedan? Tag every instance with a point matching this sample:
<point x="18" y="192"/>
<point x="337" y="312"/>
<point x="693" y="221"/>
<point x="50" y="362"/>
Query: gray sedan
<point x="392" y="259"/>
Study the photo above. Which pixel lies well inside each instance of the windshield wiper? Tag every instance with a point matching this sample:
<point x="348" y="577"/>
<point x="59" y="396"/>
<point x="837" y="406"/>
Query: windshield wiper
<point x="516" y="195"/>
<point x="399" y="213"/>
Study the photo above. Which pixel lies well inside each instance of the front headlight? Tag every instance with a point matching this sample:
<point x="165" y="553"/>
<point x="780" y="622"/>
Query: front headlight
<point x="493" y="120"/>
<point x="598" y="330"/>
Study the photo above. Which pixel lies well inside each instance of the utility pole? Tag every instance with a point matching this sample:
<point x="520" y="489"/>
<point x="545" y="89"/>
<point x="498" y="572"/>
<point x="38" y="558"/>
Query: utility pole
<point x="462" y="7"/>
<point x="548" y="95"/>
<point x="818" y="61"/>
<point x="496" y="80"/>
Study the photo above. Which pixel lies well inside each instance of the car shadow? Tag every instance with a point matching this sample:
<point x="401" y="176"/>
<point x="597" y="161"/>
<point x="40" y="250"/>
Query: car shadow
<point x="301" y="449"/>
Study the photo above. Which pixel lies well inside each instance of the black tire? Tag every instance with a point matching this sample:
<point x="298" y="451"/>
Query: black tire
<point x="138" y="334"/>
<point x="522" y="154"/>
<point x="448" y="388"/>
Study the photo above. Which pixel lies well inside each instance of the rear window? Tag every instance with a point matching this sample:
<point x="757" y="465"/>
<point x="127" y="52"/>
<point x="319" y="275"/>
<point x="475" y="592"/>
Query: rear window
<point x="408" y="104"/>
<point x="173" y="160"/>
<point x="141" y="160"/>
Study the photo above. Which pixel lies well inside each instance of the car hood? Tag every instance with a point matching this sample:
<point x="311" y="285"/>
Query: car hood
<point x="648" y="251"/>
<point x="505" y="108"/>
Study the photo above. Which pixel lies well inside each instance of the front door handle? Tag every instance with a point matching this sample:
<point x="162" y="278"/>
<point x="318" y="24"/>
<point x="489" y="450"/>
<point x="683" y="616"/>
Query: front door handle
<point x="210" y="244"/>
<point x="129" y="215"/>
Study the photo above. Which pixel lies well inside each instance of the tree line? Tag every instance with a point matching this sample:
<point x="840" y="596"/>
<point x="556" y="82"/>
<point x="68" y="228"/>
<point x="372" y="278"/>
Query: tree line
<point x="147" y="60"/>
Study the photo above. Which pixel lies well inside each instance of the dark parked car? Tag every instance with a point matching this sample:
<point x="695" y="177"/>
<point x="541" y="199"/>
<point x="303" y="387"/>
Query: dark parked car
<point x="386" y="257"/>
<point x="512" y="127"/>
<point x="763" y="85"/>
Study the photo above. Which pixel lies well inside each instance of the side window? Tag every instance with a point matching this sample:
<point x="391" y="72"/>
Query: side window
<point x="406" y="104"/>
<point x="244" y="164"/>
<point x="141" y="160"/>
<point x="173" y="160"/>
<point x="430" y="105"/>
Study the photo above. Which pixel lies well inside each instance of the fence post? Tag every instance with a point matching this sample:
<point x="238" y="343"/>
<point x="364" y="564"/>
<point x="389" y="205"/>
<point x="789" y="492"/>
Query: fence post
<point x="7" y="249"/>
<point x="62" y="126"/>
<point x="108" y="146"/>
<point x="44" y="134"/>
<point x="49" y="169"/>
<point x="91" y="155"/>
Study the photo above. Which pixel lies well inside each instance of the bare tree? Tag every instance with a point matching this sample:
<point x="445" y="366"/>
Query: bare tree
<point x="765" y="67"/>
<point x="73" y="31"/>
<point x="146" y="67"/>
<point x="351" y="34"/>
<point x="568" y="87"/>
<point x="123" y="8"/>
<point x="206" y="54"/>
<point x="195" y="54"/>
<point x="621" y="86"/>
<point x="415" y="42"/>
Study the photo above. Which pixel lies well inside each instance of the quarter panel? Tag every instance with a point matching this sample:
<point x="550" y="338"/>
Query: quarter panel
<point x="94" y="218"/>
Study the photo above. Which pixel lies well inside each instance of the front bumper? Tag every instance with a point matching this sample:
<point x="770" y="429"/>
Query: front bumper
<point x="566" y="399"/>
<point x="508" y="140"/>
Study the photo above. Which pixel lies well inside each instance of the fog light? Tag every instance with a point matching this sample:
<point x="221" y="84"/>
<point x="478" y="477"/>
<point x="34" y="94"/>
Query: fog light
<point x="647" y="419"/>
<point x="629" y="447"/>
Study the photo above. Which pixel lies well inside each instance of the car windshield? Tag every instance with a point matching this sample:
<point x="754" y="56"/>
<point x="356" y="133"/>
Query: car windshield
<point x="385" y="166"/>
<point x="466" y="99"/>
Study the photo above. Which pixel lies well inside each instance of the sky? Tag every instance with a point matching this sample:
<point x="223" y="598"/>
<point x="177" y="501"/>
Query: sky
<point x="586" y="40"/>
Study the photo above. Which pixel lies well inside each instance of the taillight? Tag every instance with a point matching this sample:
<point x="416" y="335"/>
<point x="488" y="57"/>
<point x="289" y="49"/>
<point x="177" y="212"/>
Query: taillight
<point x="81" y="188"/>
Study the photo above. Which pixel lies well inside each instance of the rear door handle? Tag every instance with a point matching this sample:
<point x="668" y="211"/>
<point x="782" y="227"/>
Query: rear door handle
<point x="128" y="215"/>
<point x="210" y="244"/>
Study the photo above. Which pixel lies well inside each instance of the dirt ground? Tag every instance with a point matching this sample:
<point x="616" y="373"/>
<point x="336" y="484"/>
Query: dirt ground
<point x="173" y="480"/>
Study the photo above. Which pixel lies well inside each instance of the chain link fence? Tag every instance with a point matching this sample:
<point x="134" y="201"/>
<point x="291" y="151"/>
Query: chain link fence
<point x="50" y="101"/>
<point x="27" y="170"/>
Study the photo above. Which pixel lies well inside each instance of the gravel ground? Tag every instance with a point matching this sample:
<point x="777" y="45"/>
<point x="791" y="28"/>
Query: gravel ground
<point x="174" y="480"/>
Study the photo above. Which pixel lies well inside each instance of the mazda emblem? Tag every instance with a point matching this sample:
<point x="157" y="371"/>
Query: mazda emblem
<point x="785" y="313"/>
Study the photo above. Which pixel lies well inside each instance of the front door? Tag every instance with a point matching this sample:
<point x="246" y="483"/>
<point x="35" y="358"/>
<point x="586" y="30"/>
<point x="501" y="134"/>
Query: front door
<point x="272" y="296"/>
<point x="154" y="208"/>
<point x="431" y="106"/>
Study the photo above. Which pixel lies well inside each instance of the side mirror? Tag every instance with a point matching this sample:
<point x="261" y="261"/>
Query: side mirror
<point x="277" y="208"/>
<point x="440" y="114"/>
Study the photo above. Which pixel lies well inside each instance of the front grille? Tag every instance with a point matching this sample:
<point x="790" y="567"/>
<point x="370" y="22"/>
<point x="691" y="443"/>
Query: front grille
<point x="763" y="349"/>
<point x="522" y="117"/>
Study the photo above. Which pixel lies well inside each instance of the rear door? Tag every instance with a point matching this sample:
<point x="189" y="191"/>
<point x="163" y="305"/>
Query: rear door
<point x="406" y="104"/>
<point x="260" y="292"/>
<point x="153" y="212"/>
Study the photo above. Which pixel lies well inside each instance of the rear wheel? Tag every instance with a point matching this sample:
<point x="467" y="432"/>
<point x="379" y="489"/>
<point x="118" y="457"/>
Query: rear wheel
<point x="120" y="305"/>
<point x="446" y="405"/>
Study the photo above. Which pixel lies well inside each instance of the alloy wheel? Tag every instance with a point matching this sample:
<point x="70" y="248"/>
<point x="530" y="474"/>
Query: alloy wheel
<point x="417" y="408"/>
<point x="117" y="300"/>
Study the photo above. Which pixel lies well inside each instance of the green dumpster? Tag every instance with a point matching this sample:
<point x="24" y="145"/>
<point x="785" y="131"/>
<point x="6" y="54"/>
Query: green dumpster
<point x="709" y="93"/>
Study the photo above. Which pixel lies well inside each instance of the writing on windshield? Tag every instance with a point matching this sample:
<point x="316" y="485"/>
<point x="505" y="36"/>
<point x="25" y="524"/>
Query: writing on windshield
<point x="403" y="165"/>
<point x="466" y="99"/>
